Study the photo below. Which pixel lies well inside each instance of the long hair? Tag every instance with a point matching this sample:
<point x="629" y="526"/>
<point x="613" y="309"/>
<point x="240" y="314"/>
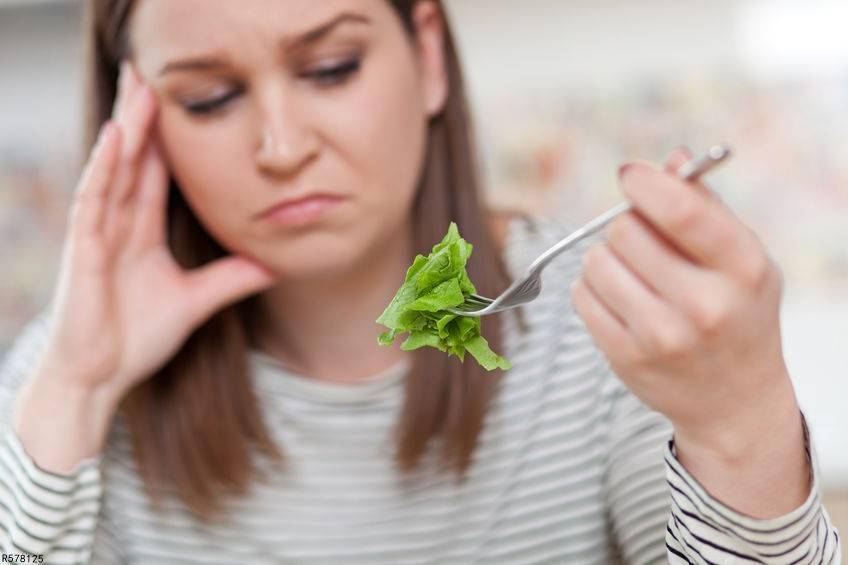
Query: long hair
<point x="195" y="423"/>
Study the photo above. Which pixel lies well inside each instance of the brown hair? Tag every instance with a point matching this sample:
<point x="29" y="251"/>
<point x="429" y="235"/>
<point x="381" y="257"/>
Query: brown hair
<point x="193" y="425"/>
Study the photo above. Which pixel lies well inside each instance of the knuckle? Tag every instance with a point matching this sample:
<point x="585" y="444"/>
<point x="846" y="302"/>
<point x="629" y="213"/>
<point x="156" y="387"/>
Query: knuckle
<point x="593" y="258"/>
<point x="726" y="238"/>
<point x="599" y="254"/>
<point x="757" y="272"/>
<point x="666" y="341"/>
<point x="709" y="317"/>
<point x="596" y="262"/>
<point x="684" y="216"/>
<point x="127" y="153"/>
<point x="620" y="230"/>
<point x="635" y="357"/>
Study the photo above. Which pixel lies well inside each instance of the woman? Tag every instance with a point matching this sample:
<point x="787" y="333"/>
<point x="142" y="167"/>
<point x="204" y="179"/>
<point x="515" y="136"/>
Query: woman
<point x="207" y="385"/>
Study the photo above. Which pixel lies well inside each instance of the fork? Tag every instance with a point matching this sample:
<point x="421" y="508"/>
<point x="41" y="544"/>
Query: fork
<point x="528" y="287"/>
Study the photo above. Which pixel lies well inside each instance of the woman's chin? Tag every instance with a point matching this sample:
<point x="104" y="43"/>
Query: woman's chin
<point x="315" y="265"/>
<point x="317" y="256"/>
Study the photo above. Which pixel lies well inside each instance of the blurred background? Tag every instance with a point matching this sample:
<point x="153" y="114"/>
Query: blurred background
<point x="562" y="92"/>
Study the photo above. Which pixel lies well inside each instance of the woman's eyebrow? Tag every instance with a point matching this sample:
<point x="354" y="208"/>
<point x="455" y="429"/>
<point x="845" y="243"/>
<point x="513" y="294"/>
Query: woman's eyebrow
<point x="296" y="42"/>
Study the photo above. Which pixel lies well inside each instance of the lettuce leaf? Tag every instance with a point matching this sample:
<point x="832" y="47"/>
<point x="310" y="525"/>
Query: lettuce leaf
<point x="431" y="286"/>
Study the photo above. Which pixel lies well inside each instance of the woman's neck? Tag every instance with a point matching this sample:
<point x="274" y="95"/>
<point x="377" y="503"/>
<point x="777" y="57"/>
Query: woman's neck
<point x="326" y="329"/>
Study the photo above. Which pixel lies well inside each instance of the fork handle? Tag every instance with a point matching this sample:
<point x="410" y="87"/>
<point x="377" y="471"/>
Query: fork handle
<point x="690" y="171"/>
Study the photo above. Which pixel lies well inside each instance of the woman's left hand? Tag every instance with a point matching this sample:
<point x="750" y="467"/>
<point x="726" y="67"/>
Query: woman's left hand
<point x="684" y="301"/>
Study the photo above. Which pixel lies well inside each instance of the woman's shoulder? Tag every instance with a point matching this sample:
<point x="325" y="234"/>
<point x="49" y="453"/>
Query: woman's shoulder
<point x="522" y="236"/>
<point x="499" y="221"/>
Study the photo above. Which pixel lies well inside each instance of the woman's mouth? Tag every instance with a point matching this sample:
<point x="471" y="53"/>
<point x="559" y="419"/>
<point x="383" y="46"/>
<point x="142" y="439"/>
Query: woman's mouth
<point x="302" y="211"/>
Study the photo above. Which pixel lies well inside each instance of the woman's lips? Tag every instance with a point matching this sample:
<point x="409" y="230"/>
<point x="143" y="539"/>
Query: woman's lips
<point x="302" y="212"/>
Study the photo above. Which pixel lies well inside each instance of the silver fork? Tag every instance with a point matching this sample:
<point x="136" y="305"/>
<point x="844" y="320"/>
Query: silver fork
<point x="529" y="286"/>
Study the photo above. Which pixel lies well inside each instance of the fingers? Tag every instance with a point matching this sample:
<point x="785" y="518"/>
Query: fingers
<point x="89" y="208"/>
<point x="223" y="282"/>
<point x="127" y="82"/>
<point x="656" y="262"/>
<point x="627" y="297"/>
<point x="151" y="200"/>
<point x="135" y="108"/>
<point x="606" y="329"/>
<point x="137" y="122"/>
<point x="651" y="256"/>
<point x="698" y="225"/>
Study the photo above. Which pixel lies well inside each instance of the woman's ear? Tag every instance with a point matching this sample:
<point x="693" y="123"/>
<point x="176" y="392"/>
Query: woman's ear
<point x="430" y="42"/>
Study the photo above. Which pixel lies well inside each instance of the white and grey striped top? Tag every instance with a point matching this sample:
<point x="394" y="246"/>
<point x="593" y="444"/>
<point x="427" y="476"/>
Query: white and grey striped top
<point x="571" y="468"/>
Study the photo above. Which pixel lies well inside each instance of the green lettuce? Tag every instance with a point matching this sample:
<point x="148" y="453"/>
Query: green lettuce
<point x="432" y="285"/>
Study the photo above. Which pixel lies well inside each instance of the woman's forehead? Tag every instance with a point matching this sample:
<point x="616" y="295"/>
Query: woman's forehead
<point x="164" y="28"/>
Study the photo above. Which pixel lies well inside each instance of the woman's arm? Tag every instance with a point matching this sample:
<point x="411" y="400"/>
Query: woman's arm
<point x="642" y="471"/>
<point x="759" y="465"/>
<point x="57" y="515"/>
<point x="684" y="301"/>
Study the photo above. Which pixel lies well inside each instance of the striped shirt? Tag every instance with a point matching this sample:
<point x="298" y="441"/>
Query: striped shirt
<point x="571" y="468"/>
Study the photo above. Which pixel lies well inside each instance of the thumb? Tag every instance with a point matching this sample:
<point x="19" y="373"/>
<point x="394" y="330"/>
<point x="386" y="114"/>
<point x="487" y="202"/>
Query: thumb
<point x="224" y="282"/>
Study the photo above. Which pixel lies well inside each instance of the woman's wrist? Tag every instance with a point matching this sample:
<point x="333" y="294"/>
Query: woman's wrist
<point x="59" y="424"/>
<point x="735" y="436"/>
<point x="759" y="467"/>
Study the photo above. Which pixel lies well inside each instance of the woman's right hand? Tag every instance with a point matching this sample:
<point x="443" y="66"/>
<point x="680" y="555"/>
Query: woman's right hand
<point x="123" y="306"/>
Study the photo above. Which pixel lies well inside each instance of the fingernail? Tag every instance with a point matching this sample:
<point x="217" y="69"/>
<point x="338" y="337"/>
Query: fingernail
<point x="685" y="150"/>
<point x="623" y="169"/>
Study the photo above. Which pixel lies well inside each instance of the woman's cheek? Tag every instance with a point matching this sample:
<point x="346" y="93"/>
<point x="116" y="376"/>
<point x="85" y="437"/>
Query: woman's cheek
<point x="387" y="127"/>
<point x="205" y="163"/>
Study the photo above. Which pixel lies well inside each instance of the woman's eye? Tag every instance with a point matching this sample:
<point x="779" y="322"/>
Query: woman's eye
<point x="324" y="76"/>
<point x="333" y="75"/>
<point x="210" y="105"/>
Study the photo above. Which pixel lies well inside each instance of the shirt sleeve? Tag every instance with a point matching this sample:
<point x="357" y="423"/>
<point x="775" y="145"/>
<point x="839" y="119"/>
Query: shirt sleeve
<point x="54" y="515"/>
<point x="703" y="530"/>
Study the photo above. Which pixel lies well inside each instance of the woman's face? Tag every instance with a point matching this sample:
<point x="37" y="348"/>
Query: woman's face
<point x="266" y="100"/>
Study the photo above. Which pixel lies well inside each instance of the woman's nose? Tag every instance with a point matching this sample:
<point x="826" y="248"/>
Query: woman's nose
<point x="285" y="146"/>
